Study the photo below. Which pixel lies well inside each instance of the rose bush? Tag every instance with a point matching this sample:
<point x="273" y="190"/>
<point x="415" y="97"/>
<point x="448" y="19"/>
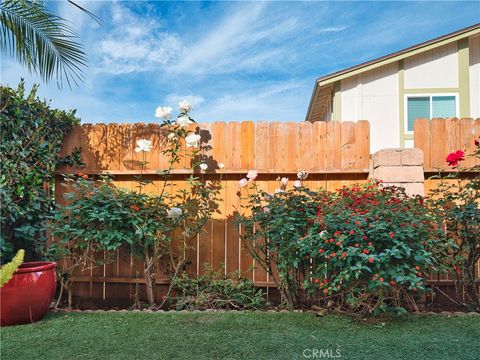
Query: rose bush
<point x="273" y="228"/>
<point x="101" y="218"/>
<point x="456" y="201"/>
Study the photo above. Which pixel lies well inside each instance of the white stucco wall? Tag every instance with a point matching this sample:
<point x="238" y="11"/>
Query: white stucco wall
<point x="373" y="96"/>
<point x="436" y="68"/>
<point x="474" y="45"/>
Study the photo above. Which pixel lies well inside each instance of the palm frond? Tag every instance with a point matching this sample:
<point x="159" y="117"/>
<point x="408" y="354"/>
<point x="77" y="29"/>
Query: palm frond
<point x="42" y="41"/>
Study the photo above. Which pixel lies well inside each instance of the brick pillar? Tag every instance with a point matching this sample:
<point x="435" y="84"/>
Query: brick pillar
<point x="399" y="167"/>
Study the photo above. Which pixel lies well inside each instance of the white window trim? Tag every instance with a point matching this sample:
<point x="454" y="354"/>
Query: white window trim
<point x="429" y="95"/>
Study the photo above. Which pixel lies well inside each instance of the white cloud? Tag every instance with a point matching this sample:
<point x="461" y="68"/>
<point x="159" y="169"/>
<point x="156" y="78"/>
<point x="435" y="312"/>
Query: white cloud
<point x="245" y="39"/>
<point x="136" y="44"/>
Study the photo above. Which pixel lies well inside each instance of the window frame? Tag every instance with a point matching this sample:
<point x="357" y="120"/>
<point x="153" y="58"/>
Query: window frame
<point x="430" y="96"/>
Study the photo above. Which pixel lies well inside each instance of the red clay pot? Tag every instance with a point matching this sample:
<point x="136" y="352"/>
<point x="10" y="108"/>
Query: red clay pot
<point x="26" y="298"/>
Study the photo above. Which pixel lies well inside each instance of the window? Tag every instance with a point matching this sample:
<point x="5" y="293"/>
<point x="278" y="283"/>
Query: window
<point x="429" y="106"/>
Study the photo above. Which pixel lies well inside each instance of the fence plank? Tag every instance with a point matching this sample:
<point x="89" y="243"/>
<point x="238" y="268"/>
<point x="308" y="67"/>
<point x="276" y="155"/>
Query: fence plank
<point x="421" y="140"/>
<point x="348" y="149"/>
<point x="438" y="145"/>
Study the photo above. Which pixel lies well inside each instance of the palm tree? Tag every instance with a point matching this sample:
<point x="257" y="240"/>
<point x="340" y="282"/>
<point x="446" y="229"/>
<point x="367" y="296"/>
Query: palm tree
<point x="42" y="41"/>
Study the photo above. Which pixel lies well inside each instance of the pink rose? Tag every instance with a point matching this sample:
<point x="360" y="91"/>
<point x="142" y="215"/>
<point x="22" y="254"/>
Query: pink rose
<point x="243" y="182"/>
<point x="284" y="181"/>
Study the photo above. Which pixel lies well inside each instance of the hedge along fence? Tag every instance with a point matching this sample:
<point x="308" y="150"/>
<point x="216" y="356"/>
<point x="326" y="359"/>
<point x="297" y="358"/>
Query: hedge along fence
<point x="334" y="154"/>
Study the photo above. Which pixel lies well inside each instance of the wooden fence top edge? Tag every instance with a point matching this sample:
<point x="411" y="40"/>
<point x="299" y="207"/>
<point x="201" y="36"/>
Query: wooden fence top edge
<point x="217" y="172"/>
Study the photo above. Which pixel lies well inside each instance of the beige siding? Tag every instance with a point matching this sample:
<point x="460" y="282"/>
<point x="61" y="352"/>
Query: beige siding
<point x="373" y="96"/>
<point x="474" y="45"/>
<point x="436" y="68"/>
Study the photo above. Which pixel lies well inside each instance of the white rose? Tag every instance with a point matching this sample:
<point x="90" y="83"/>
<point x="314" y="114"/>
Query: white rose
<point x="284" y="181"/>
<point x="184" y="120"/>
<point x="297" y="184"/>
<point x="243" y="182"/>
<point x="174" y="213"/>
<point x="302" y="175"/>
<point x="221" y="166"/>
<point x="192" y="140"/>
<point x="143" y="145"/>
<point x="172" y="136"/>
<point x="203" y="166"/>
<point x="184" y="106"/>
<point x="252" y="174"/>
<point x="164" y="113"/>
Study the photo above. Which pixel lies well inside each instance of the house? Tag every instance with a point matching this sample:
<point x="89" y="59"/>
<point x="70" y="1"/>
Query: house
<point x="437" y="78"/>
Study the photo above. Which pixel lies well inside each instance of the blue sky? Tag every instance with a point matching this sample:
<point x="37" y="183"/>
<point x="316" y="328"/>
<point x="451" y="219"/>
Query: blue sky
<point x="233" y="60"/>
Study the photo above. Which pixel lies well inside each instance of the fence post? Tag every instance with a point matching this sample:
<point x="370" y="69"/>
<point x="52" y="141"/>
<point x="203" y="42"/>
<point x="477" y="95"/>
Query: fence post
<point x="399" y="167"/>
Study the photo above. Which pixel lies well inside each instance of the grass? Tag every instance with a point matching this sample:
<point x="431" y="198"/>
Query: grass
<point x="232" y="335"/>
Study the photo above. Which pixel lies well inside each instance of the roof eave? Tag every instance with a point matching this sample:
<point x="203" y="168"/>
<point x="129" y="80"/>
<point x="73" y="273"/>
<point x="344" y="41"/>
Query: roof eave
<point x="399" y="55"/>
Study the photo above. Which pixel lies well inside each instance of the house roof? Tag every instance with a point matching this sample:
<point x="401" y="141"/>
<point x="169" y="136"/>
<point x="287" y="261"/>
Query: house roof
<point x="387" y="59"/>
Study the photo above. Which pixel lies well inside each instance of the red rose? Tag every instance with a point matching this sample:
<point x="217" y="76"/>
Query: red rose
<point x="371" y="260"/>
<point x="392" y="235"/>
<point x="135" y="208"/>
<point x="316" y="281"/>
<point x="454" y="158"/>
<point x="352" y="232"/>
<point x="365" y="251"/>
<point x="320" y="251"/>
<point x="381" y="279"/>
<point x="339" y="243"/>
<point x="344" y="254"/>
<point x="356" y="245"/>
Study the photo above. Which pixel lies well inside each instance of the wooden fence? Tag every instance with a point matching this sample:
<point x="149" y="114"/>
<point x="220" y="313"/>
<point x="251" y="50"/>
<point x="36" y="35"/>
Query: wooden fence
<point x="439" y="137"/>
<point x="334" y="154"/>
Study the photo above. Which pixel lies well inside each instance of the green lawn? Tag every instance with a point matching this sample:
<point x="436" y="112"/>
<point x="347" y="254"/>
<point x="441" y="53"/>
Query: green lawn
<point x="249" y="335"/>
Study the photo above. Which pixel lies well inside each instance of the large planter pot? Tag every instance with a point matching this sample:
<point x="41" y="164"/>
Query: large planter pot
<point x="26" y="298"/>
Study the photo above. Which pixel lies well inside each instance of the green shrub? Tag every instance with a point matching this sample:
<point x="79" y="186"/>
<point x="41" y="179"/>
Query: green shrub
<point x="370" y="246"/>
<point x="365" y="248"/>
<point x="99" y="218"/>
<point x="283" y="218"/>
<point x="215" y="290"/>
<point x="31" y="136"/>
